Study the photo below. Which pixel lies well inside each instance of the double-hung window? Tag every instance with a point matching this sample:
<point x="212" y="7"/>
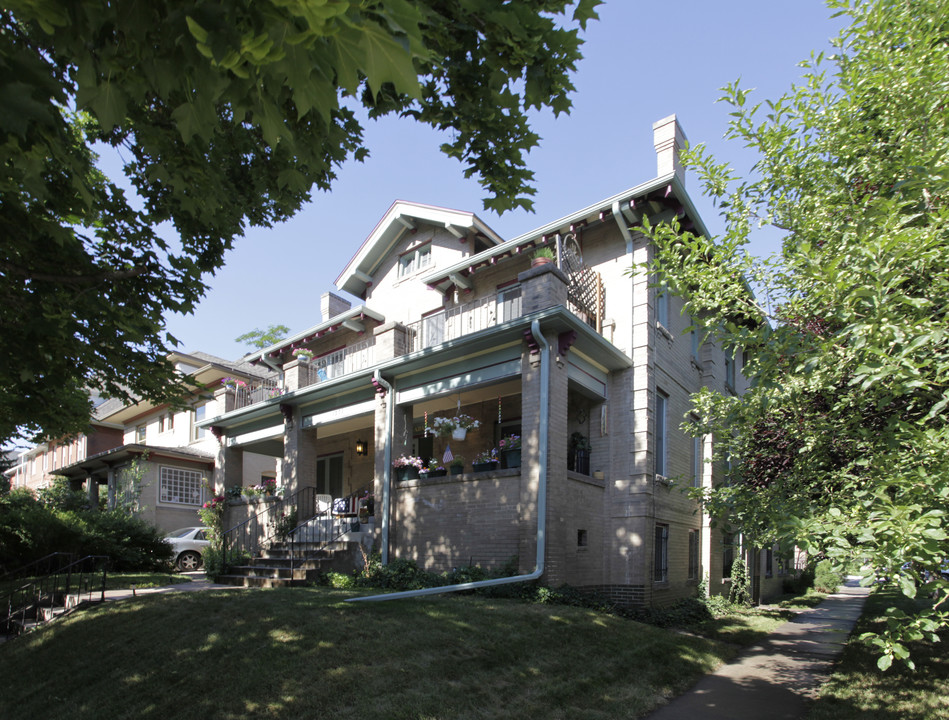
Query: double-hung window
<point x="200" y="412"/>
<point x="662" y="307"/>
<point x="661" y="554"/>
<point x="662" y="402"/>
<point x="415" y="259"/>
<point x="693" y="554"/>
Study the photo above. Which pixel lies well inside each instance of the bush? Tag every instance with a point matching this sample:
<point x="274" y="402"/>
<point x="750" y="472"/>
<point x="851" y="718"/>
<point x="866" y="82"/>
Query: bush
<point x="826" y="577"/>
<point x="31" y="529"/>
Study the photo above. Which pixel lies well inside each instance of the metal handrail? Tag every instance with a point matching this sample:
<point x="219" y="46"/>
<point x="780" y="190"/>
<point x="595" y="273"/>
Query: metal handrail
<point x="249" y="536"/>
<point x="39" y="598"/>
<point x="329" y="526"/>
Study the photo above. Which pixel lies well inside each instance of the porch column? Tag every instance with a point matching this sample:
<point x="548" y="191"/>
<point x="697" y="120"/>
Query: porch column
<point x="110" y="480"/>
<point x="299" y="452"/>
<point x="296" y="374"/>
<point x="92" y="492"/>
<point x="229" y="462"/>
<point x="391" y="341"/>
<point x="401" y="443"/>
<point x="228" y="465"/>
<point x="533" y="394"/>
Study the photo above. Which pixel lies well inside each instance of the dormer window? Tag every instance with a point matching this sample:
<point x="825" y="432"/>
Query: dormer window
<point x="415" y="259"/>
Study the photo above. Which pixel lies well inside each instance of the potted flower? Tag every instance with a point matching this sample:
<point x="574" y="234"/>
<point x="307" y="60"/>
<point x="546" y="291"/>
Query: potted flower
<point x="542" y="257"/>
<point x="233" y="383"/>
<point x="457" y="465"/>
<point x="578" y="457"/>
<point x="270" y="486"/>
<point x="457" y="426"/>
<point x="433" y="469"/>
<point x="485" y="460"/>
<point x="407" y="467"/>
<point x="303" y="354"/>
<point x="365" y="510"/>
<point x="510" y="451"/>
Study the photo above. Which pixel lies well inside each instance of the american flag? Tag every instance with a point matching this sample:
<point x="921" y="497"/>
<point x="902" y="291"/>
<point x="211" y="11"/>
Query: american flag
<point x="447" y="457"/>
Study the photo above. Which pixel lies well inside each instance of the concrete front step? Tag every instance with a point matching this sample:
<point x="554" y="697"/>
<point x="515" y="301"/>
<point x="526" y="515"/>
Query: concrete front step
<point x="259" y="582"/>
<point x="271" y="568"/>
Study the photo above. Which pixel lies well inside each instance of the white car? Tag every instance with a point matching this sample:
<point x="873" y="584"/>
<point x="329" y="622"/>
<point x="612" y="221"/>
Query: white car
<point x="188" y="544"/>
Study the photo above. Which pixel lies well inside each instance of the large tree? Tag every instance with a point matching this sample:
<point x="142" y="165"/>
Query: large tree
<point x="226" y="113"/>
<point x="841" y="445"/>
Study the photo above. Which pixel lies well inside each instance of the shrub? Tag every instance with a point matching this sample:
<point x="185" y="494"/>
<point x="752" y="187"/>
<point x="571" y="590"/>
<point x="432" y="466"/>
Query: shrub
<point x="31" y="529"/>
<point x="340" y="581"/>
<point x="826" y="577"/>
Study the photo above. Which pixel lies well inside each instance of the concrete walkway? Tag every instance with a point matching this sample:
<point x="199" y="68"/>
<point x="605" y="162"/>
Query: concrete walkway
<point x="776" y="679"/>
<point x="199" y="581"/>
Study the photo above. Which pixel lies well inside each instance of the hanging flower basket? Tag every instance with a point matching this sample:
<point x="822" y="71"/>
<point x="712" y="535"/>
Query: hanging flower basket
<point x="452" y="425"/>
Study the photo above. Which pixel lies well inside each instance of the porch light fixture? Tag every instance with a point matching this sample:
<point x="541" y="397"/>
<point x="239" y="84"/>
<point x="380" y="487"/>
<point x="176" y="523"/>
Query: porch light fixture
<point x="361" y="447"/>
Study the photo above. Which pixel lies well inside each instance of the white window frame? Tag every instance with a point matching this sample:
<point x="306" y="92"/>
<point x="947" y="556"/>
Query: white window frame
<point x="416" y="259"/>
<point x="173" y="486"/>
<point x="198" y="433"/>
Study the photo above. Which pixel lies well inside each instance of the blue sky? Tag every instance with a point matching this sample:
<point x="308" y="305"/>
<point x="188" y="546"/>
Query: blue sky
<point x="642" y="62"/>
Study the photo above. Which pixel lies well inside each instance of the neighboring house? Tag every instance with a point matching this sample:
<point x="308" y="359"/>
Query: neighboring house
<point x="35" y="468"/>
<point x="452" y="318"/>
<point x="165" y="450"/>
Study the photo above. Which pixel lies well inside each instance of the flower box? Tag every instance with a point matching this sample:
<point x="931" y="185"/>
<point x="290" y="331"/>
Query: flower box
<point x="511" y="458"/>
<point x="484" y="466"/>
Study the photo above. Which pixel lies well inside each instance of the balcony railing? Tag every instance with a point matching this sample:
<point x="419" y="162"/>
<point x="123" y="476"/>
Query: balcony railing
<point x="257" y="391"/>
<point x="344" y="361"/>
<point x="463" y="320"/>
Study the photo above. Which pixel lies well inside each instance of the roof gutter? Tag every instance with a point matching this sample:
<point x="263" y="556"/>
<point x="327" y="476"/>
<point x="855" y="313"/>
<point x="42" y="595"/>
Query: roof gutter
<point x="541" y="497"/>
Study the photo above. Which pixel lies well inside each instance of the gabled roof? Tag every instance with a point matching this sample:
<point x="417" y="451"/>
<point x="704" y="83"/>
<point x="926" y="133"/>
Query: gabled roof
<point x="661" y="195"/>
<point x="401" y="217"/>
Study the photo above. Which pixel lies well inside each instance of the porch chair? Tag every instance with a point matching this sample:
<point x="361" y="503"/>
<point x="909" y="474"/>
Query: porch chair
<point x="324" y="502"/>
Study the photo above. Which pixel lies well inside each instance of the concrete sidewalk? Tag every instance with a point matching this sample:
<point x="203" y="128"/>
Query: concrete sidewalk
<point x="776" y="679"/>
<point x="199" y="581"/>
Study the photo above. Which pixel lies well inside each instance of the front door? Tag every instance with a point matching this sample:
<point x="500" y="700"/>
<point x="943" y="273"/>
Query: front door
<point x="329" y="475"/>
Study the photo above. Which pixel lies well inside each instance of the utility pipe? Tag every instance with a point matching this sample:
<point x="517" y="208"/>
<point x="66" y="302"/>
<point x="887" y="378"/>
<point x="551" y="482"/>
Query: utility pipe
<point x="387" y="473"/>
<point x="541" y="497"/>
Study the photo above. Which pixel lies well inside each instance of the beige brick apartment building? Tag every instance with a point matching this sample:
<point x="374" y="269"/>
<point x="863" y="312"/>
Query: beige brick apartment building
<point x="452" y="318"/>
<point x="175" y="454"/>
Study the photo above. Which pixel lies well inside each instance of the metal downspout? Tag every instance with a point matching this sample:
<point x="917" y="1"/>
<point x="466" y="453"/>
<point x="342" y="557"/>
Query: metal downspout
<point x="541" y="498"/>
<point x="387" y="473"/>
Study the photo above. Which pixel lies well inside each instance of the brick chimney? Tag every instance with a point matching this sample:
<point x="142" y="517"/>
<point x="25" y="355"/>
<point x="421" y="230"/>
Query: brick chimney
<point x="668" y="139"/>
<point x="332" y="305"/>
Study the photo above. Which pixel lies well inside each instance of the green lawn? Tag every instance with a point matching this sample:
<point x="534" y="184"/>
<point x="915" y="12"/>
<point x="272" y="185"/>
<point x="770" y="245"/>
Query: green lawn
<point x="305" y="653"/>
<point x="857" y="689"/>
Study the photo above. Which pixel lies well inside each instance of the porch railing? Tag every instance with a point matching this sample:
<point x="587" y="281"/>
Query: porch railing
<point x="344" y="361"/>
<point x="257" y="391"/>
<point x="326" y="526"/>
<point x="463" y="320"/>
<point x="312" y="525"/>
